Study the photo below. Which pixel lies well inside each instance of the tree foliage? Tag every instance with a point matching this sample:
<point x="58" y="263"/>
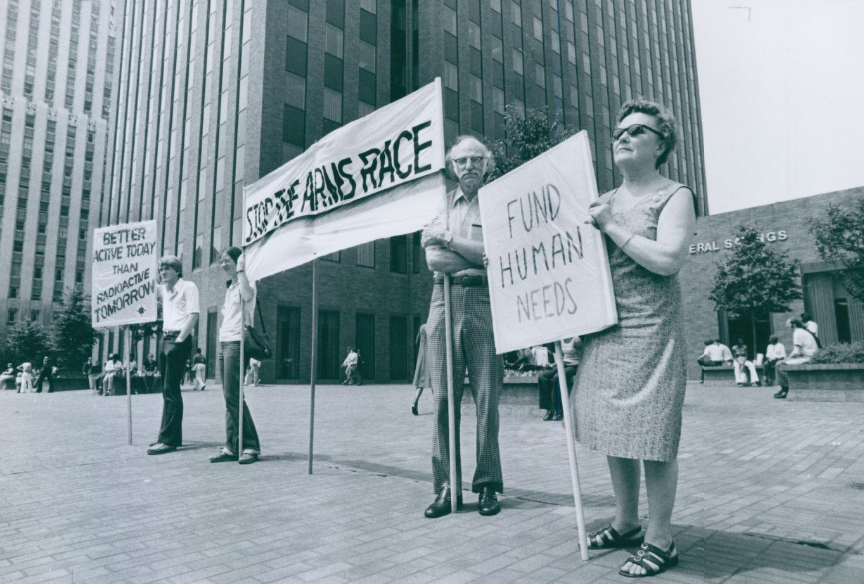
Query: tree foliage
<point x="525" y="138"/>
<point x="755" y="279"/>
<point x="73" y="332"/>
<point x="840" y="239"/>
<point x="26" y="341"/>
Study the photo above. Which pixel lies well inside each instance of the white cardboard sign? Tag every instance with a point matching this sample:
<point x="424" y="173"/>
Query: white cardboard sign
<point x="125" y="274"/>
<point x="548" y="270"/>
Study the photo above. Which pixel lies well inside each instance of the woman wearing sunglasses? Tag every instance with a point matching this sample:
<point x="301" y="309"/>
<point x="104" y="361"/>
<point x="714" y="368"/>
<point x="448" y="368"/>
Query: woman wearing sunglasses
<point x="629" y="389"/>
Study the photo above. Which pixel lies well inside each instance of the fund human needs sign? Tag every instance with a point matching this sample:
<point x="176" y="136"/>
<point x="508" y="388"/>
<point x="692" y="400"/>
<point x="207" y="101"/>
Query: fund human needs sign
<point x="125" y="274"/>
<point x="548" y="270"/>
<point x="379" y="176"/>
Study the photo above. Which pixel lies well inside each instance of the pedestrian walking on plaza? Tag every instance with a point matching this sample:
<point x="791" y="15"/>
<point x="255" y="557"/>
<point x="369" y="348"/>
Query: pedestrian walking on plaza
<point x="46" y="373"/>
<point x="774" y="354"/>
<point x="804" y="348"/>
<point x="454" y="245"/>
<point x="252" y="373"/>
<point x="199" y="370"/>
<point x="350" y="366"/>
<point x="230" y="335"/>
<point x="629" y="389"/>
<point x="180" y="309"/>
<point x="421" y="371"/>
<point x="26" y="370"/>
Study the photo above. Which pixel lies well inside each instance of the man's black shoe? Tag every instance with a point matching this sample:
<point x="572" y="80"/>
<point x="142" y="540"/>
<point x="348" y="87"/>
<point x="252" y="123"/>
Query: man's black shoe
<point x="489" y="502"/>
<point x="160" y="448"/>
<point x="781" y="394"/>
<point x="442" y="506"/>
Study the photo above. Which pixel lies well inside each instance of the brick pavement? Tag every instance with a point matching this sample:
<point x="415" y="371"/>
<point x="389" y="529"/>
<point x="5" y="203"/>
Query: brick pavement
<point x="770" y="492"/>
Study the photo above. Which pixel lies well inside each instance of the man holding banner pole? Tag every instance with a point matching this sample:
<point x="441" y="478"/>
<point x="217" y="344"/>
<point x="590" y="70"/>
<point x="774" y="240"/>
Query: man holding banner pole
<point x="180" y="309"/>
<point x="454" y="247"/>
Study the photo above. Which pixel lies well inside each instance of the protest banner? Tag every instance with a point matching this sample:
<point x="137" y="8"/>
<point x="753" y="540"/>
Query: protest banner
<point x="125" y="274"/>
<point x="379" y="176"/>
<point x="548" y="270"/>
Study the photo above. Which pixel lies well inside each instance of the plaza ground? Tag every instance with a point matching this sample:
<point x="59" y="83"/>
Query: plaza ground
<point x="770" y="491"/>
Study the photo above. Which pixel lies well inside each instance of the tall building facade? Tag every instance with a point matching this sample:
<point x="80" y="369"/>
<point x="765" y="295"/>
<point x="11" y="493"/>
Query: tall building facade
<point x="214" y="94"/>
<point x="56" y="89"/>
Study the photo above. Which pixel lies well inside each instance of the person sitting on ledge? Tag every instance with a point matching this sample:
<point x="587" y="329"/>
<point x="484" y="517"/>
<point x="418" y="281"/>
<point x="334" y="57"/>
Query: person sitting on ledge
<point x="739" y="350"/>
<point x="804" y="348"/>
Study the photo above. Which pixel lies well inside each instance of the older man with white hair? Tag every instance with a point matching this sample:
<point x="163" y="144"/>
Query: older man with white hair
<point x="454" y="245"/>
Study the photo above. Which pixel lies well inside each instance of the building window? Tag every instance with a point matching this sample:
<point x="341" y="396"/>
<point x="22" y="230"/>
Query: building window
<point x="497" y="50"/>
<point x="518" y="65"/>
<point x="538" y="29"/>
<point x="541" y="74"/>
<point x="329" y="354"/>
<point x="366" y="255"/>
<point x="449" y="20"/>
<point x="496" y="5"/>
<point x="419" y="254"/>
<point x="332" y="105"/>
<point x="451" y="76"/>
<point x="295" y="90"/>
<point x="335" y="257"/>
<point x="398" y="255"/>
<point x="294" y="126"/>
<point x="516" y="13"/>
<point x="333" y="40"/>
<point x="297" y="23"/>
<point x="366" y="56"/>
<point x="288" y="347"/>
<point x="398" y="348"/>
<point x="364" y="338"/>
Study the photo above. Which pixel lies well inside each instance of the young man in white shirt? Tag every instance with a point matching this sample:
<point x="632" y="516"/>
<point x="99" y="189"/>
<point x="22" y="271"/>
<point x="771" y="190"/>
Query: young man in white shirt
<point x="180" y="309"/>
<point x="774" y="353"/>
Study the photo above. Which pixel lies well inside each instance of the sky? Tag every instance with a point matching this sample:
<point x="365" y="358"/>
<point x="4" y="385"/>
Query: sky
<point x="782" y="95"/>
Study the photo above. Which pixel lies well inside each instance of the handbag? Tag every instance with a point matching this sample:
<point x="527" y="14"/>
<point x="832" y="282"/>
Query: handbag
<point x="256" y="345"/>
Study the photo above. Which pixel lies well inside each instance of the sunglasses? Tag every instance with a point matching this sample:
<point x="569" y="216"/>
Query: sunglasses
<point x="634" y="130"/>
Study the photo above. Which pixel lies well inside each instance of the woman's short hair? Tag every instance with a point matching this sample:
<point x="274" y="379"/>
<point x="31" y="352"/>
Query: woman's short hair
<point x="173" y="262"/>
<point x="665" y="123"/>
<point x="795" y="323"/>
<point x="490" y="158"/>
<point x="233" y="252"/>
<point x="773" y="339"/>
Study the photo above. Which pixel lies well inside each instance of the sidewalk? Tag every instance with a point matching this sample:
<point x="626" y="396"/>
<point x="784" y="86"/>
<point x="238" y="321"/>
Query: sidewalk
<point x="770" y="491"/>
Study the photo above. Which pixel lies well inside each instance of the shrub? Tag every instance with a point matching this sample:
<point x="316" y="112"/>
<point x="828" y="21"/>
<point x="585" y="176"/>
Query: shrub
<point x="841" y="353"/>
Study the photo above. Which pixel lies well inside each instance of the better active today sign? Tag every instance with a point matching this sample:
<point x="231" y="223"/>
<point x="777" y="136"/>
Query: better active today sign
<point x="548" y="270"/>
<point x="124" y="274"/>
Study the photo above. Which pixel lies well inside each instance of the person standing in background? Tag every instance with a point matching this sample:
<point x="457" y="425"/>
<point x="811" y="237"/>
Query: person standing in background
<point x="45" y="373"/>
<point x="421" y="371"/>
<point x="199" y="370"/>
<point x="26" y="370"/>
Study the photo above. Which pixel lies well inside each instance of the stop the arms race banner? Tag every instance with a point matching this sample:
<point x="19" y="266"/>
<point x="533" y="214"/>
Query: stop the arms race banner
<point x="379" y="176"/>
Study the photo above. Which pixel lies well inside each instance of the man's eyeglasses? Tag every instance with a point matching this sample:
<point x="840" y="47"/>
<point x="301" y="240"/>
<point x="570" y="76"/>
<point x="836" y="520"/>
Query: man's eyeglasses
<point x="634" y="131"/>
<point x="475" y="161"/>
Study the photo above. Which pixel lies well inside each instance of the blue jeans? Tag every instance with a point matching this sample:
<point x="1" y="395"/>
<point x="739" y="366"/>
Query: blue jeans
<point x="229" y="363"/>
<point x="172" y="362"/>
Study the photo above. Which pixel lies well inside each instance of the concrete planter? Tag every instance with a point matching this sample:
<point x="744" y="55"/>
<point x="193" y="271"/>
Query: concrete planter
<point x="841" y="383"/>
<point x="518" y="396"/>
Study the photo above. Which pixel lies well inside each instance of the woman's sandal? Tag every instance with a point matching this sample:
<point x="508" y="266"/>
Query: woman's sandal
<point x="652" y="559"/>
<point x="607" y="537"/>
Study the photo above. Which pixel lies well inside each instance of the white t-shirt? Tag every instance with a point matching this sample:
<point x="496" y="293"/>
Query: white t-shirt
<point x="805" y="342"/>
<point x="718" y="352"/>
<point x="232" y="328"/>
<point x="541" y="356"/>
<point x="812" y="327"/>
<point x="775" y="351"/>
<point x="178" y="304"/>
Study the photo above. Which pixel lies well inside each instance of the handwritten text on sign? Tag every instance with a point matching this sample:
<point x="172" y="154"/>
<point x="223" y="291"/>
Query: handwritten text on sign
<point x="548" y="271"/>
<point x="396" y="144"/>
<point x="124" y="274"/>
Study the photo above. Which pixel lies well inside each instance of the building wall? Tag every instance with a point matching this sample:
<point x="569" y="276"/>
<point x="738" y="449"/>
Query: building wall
<point x="786" y="228"/>
<point x="57" y="59"/>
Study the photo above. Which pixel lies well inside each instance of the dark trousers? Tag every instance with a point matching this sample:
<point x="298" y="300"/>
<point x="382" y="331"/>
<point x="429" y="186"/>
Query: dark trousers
<point x="229" y="363"/>
<point x="43" y="375"/>
<point x="704" y="361"/>
<point x="172" y="365"/>
<point x="547" y="382"/>
<point x="770" y="368"/>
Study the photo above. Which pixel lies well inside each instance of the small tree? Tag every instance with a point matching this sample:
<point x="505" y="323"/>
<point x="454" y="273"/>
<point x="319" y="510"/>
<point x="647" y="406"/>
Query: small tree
<point x="755" y="280"/>
<point x="73" y="332"/>
<point x="840" y="239"/>
<point x="26" y="341"/>
<point x="525" y="138"/>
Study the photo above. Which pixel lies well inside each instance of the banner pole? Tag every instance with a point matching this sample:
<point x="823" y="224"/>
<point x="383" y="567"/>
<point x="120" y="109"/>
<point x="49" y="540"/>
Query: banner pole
<point x="128" y="384"/>
<point x="314" y="373"/>
<point x="242" y="373"/>
<point x="571" y="450"/>
<point x="451" y="406"/>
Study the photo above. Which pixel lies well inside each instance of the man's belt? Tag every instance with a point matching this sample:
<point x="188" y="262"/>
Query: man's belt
<point x="466" y="281"/>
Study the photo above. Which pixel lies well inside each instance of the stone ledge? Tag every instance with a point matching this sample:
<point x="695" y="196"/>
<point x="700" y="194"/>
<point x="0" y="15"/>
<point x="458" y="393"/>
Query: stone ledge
<point x="826" y="382"/>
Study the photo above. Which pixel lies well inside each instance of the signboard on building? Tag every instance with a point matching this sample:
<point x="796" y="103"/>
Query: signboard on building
<point x="548" y="270"/>
<point x="125" y="274"/>
<point x="379" y="176"/>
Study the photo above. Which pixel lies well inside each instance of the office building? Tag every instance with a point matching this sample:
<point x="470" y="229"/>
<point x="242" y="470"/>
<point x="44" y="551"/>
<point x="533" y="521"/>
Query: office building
<point x="215" y="94"/>
<point x="56" y="90"/>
